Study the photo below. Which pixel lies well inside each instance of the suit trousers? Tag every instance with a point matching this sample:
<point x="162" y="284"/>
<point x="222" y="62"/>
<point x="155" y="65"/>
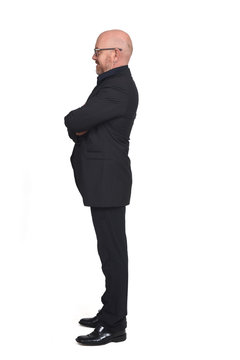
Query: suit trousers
<point x="109" y="225"/>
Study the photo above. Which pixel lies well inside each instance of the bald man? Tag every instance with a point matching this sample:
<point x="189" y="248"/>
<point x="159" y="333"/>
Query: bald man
<point x="100" y="130"/>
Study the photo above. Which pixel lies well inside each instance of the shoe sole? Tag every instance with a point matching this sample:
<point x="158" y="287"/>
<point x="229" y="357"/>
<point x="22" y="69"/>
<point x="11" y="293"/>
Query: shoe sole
<point x="115" y="339"/>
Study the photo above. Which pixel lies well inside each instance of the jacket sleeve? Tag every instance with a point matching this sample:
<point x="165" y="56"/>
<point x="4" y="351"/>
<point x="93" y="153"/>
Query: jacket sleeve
<point x="108" y="104"/>
<point x="72" y="135"/>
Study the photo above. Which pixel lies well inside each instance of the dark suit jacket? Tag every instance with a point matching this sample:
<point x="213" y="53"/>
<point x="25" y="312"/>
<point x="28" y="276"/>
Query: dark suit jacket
<point x="100" y="161"/>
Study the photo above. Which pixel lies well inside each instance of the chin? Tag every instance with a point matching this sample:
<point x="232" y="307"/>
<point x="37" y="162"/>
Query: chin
<point x="98" y="71"/>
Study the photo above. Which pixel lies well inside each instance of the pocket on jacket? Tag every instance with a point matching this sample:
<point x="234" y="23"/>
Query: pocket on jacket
<point x="94" y="153"/>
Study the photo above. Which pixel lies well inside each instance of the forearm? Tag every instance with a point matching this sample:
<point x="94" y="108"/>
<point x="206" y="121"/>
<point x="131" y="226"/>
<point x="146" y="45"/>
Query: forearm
<point x="109" y="104"/>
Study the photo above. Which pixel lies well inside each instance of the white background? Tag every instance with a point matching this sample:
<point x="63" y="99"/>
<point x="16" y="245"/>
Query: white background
<point x="183" y="220"/>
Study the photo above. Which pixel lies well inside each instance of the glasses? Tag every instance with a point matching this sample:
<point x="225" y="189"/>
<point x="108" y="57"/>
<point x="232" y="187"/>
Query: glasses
<point x="96" y="51"/>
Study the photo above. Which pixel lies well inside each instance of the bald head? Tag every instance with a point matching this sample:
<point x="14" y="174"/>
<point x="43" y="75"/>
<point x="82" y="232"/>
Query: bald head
<point x="110" y="59"/>
<point x="119" y="39"/>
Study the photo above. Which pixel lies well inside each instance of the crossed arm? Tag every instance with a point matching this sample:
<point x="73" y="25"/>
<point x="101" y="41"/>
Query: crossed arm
<point x="109" y="103"/>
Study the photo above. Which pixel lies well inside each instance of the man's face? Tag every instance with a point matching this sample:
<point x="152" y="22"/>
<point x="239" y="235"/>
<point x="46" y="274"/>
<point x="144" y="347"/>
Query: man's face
<point x="103" y="58"/>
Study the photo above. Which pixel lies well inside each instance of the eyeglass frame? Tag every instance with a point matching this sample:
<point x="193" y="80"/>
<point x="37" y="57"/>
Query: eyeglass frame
<point x="96" y="50"/>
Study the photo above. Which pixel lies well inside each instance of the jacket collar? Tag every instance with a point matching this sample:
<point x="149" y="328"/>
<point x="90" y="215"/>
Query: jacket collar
<point x="110" y="73"/>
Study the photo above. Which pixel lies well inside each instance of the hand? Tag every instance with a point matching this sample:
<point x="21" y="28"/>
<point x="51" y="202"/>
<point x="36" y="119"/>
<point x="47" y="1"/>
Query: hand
<point x="82" y="132"/>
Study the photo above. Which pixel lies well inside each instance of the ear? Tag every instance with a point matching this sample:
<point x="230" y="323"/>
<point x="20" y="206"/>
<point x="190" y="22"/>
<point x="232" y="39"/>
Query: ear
<point x="116" y="56"/>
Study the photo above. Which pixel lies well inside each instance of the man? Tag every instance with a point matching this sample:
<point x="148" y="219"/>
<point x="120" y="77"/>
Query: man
<point x="102" y="172"/>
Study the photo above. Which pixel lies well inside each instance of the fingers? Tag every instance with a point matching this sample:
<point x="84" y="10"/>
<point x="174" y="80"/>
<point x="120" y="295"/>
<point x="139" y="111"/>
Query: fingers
<point x="81" y="133"/>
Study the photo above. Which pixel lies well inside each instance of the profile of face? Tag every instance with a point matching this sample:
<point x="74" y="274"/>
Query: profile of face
<point x="103" y="60"/>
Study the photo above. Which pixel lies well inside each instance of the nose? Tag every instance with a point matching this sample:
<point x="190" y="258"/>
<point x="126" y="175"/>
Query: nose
<point x="94" y="57"/>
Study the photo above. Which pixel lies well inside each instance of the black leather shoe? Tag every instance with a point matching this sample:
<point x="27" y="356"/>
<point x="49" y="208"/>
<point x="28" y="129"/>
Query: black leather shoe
<point x="90" y="322"/>
<point x="101" y="336"/>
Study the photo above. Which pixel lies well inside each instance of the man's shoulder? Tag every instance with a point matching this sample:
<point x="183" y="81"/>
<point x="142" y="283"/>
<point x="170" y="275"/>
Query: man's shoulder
<point x="121" y="78"/>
